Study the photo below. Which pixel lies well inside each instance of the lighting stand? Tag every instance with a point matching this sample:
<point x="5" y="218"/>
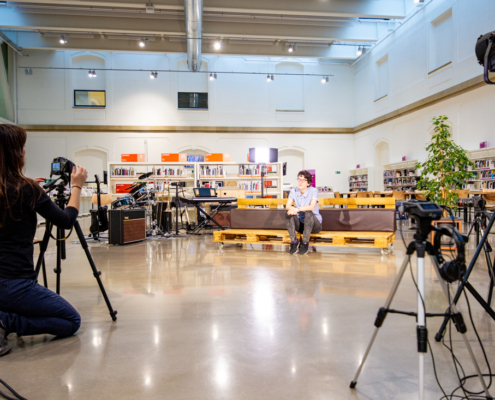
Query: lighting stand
<point x="177" y="206"/>
<point x="262" y="167"/>
<point x="421" y="246"/>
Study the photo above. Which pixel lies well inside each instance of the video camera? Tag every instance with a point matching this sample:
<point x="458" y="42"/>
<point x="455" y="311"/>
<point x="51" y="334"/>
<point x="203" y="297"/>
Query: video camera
<point x="423" y="209"/>
<point x="476" y="202"/>
<point x="61" y="167"/>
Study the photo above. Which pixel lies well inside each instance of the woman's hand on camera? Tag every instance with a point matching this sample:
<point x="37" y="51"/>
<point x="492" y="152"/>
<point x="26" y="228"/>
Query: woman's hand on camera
<point x="39" y="180"/>
<point x="79" y="176"/>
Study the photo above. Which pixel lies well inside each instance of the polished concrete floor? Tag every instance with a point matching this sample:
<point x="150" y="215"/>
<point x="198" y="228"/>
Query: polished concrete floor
<point x="251" y="322"/>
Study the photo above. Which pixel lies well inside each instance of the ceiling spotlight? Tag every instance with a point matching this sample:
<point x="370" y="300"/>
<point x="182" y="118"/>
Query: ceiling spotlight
<point x="291" y="48"/>
<point x="359" y="51"/>
<point x="154" y="75"/>
<point x="271" y="78"/>
<point x="268" y="78"/>
<point x="63" y="39"/>
<point x="211" y="77"/>
<point x="92" y="73"/>
<point x="215" y="76"/>
<point x="364" y="50"/>
<point x="142" y="43"/>
<point x="146" y="42"/>
<point x="218" y="45"/>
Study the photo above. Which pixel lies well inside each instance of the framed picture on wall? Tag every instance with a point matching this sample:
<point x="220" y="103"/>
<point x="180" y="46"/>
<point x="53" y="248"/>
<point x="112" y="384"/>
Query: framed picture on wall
<point x="90" y="98"/>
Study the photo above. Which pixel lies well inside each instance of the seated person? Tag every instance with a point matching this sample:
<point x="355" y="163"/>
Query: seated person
<point x="27" y="308"/>
<point x="305" y="216"/>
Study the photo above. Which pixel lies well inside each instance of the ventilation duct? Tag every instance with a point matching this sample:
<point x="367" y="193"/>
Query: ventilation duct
<point x="194" y="30"/>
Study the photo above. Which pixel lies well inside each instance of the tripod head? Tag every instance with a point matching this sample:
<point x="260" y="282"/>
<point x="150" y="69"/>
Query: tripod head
<point x="425" y="213"/>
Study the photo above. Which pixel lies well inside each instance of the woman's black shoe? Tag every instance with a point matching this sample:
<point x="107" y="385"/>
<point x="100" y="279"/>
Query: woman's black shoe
<point x="303" y="248"/>
<point x="293" y="247"/>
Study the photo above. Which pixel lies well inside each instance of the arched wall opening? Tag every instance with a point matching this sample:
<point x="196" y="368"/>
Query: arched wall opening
<point x="382" y="157"/>
<point x="95" y="161"/>
<point x="295" y="163"/>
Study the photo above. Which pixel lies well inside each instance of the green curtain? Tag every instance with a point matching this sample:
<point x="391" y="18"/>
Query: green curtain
<point x="5" y="55"/>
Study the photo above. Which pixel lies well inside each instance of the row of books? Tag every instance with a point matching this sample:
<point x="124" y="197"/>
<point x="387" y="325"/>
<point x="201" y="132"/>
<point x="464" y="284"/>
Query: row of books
<point x="131" y="171"/>
<point x="356" y="178"/>
<point x="253" y="186"/>
<point x="488" y="185"/>
<point x="359" y="185"/>
<point x="168" y="172"/>
<point x="488" y="174"/>
<point x="400" y="181"/>
<point x="249" y="170"/>
<point x="206" y="170"/>
<point x="399" y="173"/>
<point x="484" y="164"/>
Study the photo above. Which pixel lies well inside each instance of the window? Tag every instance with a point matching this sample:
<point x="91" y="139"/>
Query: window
<point x="381" y="78"/>
<point x="440" y="42"/>
<point x="90" y="98"/>
<point x="193" y="101"/>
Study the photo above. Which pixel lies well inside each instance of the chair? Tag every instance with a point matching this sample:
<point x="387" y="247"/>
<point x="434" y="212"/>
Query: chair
<point x="362" y="195"/>
<point x="419" y="195"/>
<point x="337" y="195"/>
<point x="489" y="196"/>
<point x="399" y="195"/>
<point x="462" y="195"/>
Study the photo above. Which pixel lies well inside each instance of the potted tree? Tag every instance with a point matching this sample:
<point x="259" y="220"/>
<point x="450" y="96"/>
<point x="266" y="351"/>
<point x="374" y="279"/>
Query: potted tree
<point x="447" y="167"/>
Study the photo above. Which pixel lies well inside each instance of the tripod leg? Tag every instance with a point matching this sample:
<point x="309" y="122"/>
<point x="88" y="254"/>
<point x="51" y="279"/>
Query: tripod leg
<point x="44" y="272"/>
<point x="461" y="327"/>
<point x="96" y="273"/>
<point x="43" y="247"/>
<point x="58" y="269"/>
<point x="379" y="321"/>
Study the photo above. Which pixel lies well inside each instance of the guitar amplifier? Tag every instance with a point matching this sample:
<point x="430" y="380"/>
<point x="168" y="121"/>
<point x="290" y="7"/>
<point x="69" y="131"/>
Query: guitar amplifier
<point x="126" y="226"/>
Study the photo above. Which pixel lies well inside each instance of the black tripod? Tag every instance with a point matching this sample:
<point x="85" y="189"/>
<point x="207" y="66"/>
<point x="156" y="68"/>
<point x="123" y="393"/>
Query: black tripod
<point x="61" y="200"/>
<point x="421" y="247"/>
<point x="481" y="219"/>
<point x="480" y="225"/>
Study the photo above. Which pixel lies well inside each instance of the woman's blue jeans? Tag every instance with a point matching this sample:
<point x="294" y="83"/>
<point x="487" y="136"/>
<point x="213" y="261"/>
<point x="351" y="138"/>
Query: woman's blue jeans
<point x="27" y="308"/>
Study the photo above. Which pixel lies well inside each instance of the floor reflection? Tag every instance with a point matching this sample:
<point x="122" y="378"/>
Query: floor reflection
<point x="242" y="322"/>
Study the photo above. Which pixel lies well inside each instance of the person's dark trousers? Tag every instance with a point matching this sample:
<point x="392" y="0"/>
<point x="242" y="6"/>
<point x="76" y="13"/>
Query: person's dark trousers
<point x="294" y="225"/>
<point x="27" y="308"/>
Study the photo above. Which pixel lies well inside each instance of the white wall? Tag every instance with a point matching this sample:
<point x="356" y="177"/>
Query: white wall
<point x="410" y="52"/>
<point x="249" y="100"/>
<point x="46" y="97"/>
<point x="469" y="117"/>
<point x="324" y="153"/>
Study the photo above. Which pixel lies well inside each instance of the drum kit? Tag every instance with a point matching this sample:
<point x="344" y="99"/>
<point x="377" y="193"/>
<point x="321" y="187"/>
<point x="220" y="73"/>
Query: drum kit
<point x="140" y="196"/>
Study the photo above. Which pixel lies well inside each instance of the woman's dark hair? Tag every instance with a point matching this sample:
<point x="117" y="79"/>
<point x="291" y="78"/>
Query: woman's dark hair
<point x="306" y="175"/>
<point x="12" y="179"/>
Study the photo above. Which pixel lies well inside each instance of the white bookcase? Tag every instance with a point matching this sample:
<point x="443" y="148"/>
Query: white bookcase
<point x="400" y="176"/>
<point x="229" y="175"/>
<point x="162" y="173"/>
<point x="361" y="179"/>
<point x="483" y="176"/>
<point x="241" y="176"/>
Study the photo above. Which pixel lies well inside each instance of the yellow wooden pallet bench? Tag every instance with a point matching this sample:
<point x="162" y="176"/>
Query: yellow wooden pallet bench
<point x="382" y="239"/>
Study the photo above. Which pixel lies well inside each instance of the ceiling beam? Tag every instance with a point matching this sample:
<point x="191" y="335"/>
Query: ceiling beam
<point x="394" y="9"/>
<point x="11" y="18"/>
<point x="32" y="40"/>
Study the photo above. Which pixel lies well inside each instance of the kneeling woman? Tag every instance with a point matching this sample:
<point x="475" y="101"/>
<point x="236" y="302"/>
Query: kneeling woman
<point x="27" y="308"/>
<point x="305" y="216"/>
